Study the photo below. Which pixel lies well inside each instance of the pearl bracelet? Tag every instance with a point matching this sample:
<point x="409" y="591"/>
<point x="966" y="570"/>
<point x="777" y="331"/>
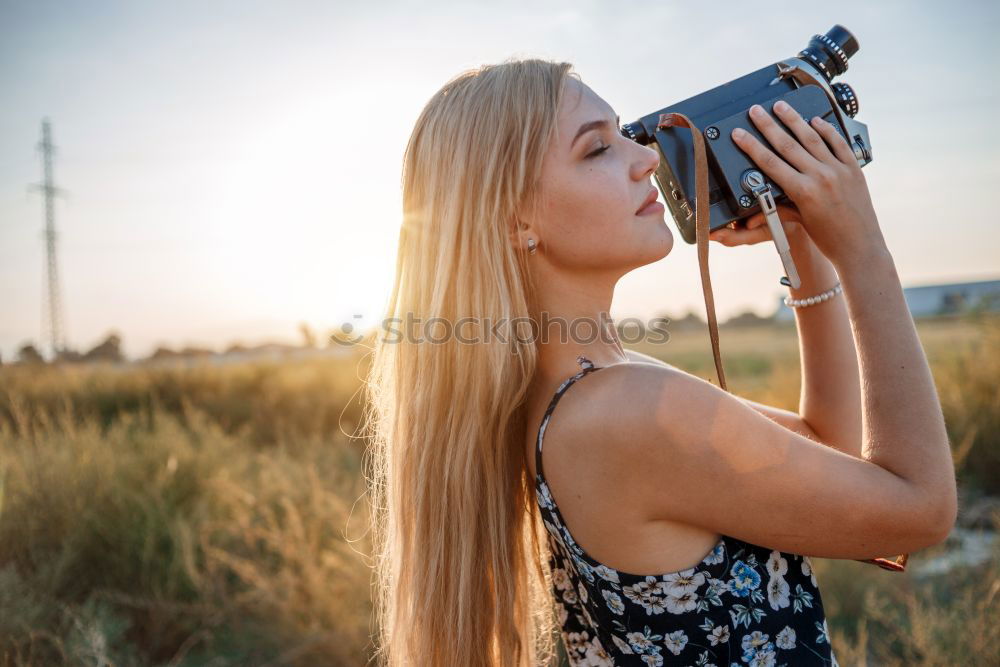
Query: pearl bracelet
<point x="810" y="300"/>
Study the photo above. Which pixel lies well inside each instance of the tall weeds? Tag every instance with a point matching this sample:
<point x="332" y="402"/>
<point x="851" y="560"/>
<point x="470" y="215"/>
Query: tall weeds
<point x="215" y="515"/>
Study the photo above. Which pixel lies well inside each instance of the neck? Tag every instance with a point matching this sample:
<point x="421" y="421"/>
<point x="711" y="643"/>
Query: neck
<point x="574" y="319"/>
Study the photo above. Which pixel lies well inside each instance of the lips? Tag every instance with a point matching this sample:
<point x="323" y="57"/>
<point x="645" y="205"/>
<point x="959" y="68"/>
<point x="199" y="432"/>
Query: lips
<point x="650" y="198"/>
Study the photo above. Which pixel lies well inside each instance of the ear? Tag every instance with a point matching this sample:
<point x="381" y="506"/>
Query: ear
<point x="519" y="233"/>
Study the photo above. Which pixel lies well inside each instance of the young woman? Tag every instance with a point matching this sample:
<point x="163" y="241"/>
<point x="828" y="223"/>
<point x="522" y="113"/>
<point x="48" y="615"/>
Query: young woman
<point x="671" y="521"/>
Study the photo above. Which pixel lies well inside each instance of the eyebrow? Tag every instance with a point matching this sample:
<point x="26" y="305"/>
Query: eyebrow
<point x="592" y="125"/>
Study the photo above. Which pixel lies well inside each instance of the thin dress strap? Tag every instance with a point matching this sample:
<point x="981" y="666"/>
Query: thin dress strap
<point x="587" y="366"/>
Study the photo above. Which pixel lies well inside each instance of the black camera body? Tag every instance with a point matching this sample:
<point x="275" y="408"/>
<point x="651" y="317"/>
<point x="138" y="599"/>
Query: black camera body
<point x="804" y="82"/>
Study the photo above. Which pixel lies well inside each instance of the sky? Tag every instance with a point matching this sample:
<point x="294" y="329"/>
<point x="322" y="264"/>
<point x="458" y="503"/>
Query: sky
<point x="232" y="169"/>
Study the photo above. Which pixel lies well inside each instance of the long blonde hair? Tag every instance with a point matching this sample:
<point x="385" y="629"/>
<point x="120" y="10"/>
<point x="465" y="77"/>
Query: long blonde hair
<point x="461" y="574"/>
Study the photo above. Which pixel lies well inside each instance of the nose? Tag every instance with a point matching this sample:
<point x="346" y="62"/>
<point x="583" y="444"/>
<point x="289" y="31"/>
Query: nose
<point x="648" y="162"/>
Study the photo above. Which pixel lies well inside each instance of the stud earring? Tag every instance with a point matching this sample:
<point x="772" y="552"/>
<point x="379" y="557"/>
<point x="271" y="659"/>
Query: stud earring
<point x="531" y="247"/>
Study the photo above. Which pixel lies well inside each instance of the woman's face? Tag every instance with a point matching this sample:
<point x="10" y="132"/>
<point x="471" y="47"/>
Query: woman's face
<point x="593" y="182"/>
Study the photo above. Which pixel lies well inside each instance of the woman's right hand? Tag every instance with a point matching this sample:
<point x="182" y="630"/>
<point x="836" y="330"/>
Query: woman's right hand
<point x="821" y="176"/>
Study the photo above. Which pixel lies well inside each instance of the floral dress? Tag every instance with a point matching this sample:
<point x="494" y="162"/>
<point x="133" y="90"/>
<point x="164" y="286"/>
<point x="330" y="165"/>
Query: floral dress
<point x="743" y="604"/>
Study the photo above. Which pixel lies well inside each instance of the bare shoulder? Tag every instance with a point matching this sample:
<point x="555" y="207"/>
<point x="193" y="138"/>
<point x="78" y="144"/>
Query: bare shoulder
<point x="682" y="449"/>
<point x="610" y="415"/>
<point x="638" y="357"/>
<point x="787" y="418"/>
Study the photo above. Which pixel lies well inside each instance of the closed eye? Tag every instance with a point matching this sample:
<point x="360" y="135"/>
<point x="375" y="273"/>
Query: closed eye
<point x="599" y="151"/>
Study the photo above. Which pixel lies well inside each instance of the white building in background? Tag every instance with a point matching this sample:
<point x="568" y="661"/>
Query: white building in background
<point x="930" y="300"/>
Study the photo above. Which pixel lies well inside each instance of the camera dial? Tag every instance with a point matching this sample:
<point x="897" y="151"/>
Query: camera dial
<point x="846" y="98"/>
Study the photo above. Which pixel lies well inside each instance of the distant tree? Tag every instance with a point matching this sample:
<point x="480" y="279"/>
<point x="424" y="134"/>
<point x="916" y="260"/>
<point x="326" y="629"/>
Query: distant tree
<point x="29" y="354"/>
<point x="236" y="347"/>
<point x="191" y="351"/>
<point x="68" y="355"/>
<point x="162" y="352"/>
<point x="108" y="350"/>
<point x="308" y="337"/>
<point x="688" y="322"/>
<point x="748" y="319"/>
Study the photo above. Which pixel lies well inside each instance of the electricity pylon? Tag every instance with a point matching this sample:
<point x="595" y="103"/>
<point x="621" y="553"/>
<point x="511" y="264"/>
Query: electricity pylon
<point x="52" y="316"/>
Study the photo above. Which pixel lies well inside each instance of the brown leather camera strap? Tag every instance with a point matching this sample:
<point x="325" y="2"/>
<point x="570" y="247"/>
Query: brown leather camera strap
<point x="701" y="227"/>
<point x="701" y="221"/>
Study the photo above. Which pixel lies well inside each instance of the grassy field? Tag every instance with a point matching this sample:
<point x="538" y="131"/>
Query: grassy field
<point x="215" y="515"/>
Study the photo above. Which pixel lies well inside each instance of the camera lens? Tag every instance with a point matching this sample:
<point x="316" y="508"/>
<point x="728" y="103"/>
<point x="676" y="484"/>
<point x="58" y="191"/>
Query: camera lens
<point x="830" y="52"/>
<point x="636" y="132"/>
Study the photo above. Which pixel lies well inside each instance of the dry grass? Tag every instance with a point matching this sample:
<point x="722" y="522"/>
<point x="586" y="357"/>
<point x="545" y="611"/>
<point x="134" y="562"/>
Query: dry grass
<point x="180" y="534"/>
<point x="215" y="515"/>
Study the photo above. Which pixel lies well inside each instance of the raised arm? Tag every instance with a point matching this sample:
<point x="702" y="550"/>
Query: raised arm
<point x="695" y="453"/>
<point x="708" y="458"/>
<point x="830" y="395"/>
<point x="903" y="426"/>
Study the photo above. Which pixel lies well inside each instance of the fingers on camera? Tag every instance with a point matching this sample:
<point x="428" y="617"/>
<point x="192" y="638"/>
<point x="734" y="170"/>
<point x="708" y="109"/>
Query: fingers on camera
<point x="772" y="165"/>
<point x="806" y="134"/>
<point x="784" y="143"/>
<point x="835" y="141"/>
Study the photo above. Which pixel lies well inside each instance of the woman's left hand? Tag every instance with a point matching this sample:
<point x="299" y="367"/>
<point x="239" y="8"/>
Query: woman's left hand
<point x="753" y="230"/>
